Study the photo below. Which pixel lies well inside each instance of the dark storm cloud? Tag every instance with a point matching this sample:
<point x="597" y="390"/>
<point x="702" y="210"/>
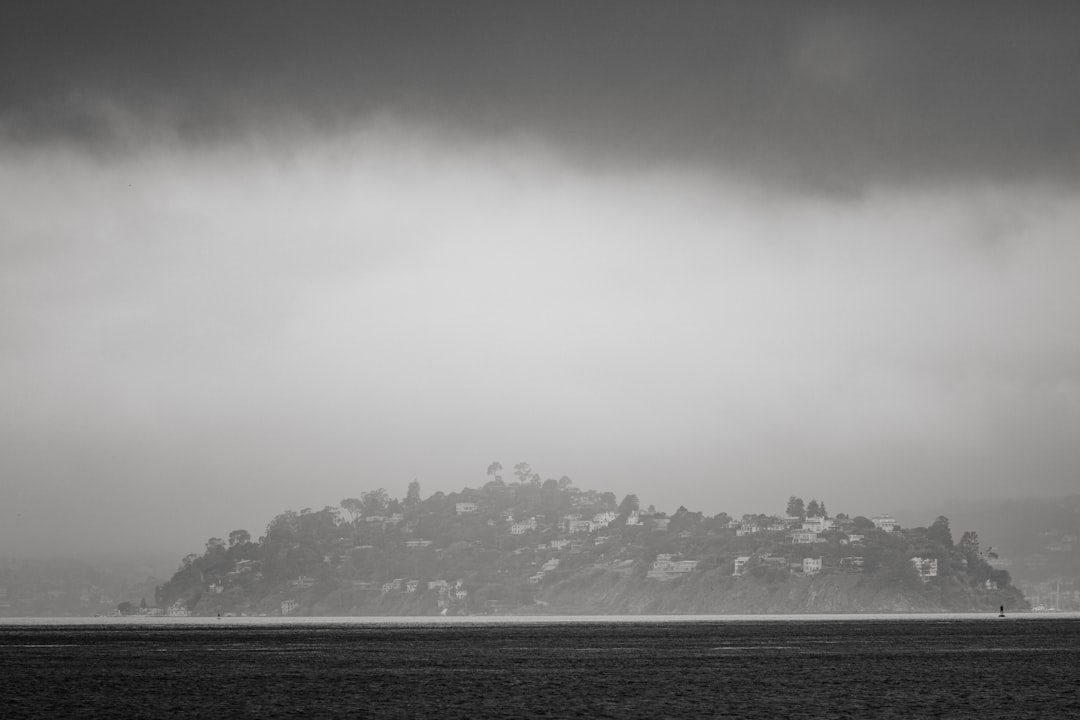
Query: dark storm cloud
<point x="825" y="95"/>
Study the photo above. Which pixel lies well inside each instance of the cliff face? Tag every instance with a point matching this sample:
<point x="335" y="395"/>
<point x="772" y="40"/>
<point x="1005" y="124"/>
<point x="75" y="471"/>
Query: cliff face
<point x="716" y="593"/>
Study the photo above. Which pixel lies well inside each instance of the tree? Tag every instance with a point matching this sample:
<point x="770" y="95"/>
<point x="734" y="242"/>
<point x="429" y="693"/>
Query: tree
<point x="125" y="608"/>
<point x="969" y="546"/>
<point x="629" y="504"/>
<point x="860" y="522"/>
<point x="523" y="472"/>
<point x="239" y="537"/>
<point x="940" y="532"/>
<point x="565" y="482"/>
<point x="813" y="509"/>
<point x="795" y="507"/>
<point x="494" y="469"/>
<point x="354" y="507"/>
<point x="375" y="502"/>
<point x="214" y="544"/>
<point x="412" y="496"/>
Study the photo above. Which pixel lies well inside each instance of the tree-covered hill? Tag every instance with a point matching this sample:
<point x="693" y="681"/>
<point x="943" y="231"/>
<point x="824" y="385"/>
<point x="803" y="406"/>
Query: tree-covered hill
<point x="546" y="546"/>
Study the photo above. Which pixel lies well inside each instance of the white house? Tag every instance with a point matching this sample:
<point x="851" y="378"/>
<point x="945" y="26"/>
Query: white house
<point x="811" y="566"/>
<point x="579" y="526"/>
<point x="803" y="537"/>
<point x="289" y="606"/>
<point x="520" y="528"/>
<point x="926" y="567"/>
<point x="665" y="567"/>
<point x="817" y="524"/>
<point x="884" y="522"/>
<point x="740" y="565"/>
<point x="464" y="508"/>
<point x="177" y="609"/>
<point x="602" y="520"/>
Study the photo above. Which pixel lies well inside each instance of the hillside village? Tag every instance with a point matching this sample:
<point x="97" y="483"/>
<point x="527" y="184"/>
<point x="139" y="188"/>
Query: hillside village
<point x="545" y="546"/>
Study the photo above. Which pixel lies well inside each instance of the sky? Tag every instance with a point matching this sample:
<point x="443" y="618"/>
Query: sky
<point x="263" y="256"/>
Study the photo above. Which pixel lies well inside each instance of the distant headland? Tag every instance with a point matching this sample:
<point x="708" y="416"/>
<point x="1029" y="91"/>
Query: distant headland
<point x="533" y="546"/>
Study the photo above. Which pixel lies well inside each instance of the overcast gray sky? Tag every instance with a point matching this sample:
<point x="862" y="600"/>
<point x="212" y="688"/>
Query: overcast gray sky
<point x="261" y="256"/>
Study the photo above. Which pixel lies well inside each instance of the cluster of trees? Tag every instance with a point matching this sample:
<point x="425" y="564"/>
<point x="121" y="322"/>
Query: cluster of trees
<point x="796" y="508"/>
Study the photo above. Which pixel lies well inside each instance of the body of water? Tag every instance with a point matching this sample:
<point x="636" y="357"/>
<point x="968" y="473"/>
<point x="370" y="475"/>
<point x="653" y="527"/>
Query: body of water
<point x="912" y="667"/>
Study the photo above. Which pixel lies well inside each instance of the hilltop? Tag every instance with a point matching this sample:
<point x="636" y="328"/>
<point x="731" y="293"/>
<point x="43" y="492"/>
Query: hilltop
<point x="533" y="546"/>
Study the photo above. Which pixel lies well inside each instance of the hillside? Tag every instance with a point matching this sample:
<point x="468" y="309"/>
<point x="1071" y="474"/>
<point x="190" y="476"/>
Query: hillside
<point x="532" y="546"/>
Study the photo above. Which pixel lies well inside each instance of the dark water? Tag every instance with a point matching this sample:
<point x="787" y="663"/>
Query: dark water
<point x="840" y="669"/>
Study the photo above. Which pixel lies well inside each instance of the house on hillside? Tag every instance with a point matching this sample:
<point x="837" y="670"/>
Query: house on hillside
<point x="740" y="565"/>
<point x="520" y="528"/>
<point x="603" y="519"/>
<point x="666" y="567"/>
<point x="817" y="524"/>
<point x="289" y="606"/>
<point x="926" y="567"/>
<point x="465" y="508"/>
<point x="884" y="522"/>
<point x="811" y="566"/>
<point x="803" y="537"/>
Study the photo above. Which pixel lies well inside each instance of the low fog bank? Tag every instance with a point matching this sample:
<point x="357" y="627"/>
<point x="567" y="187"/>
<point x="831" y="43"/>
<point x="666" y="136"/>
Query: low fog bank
<point x="196" y="339"/>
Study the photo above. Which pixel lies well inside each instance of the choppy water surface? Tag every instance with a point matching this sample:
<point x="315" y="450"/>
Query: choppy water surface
<point x="912" y="668"/>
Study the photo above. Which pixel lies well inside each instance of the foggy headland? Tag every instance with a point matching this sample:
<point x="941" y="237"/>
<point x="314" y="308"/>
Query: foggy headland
<point x="261" y="256"/>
